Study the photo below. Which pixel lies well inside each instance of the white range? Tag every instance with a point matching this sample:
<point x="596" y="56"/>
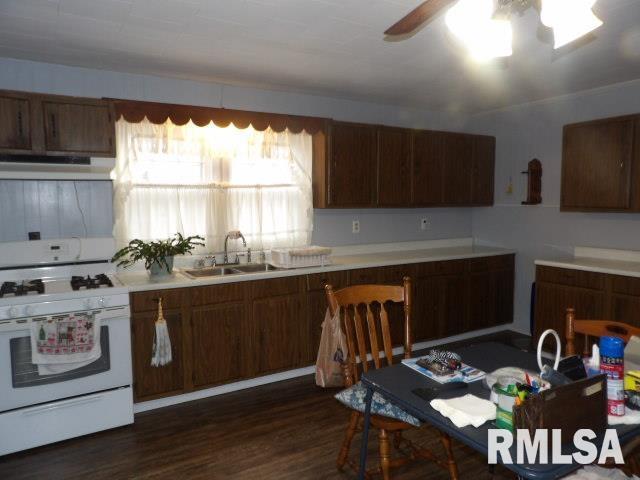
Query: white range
<point x="43" y="278"/>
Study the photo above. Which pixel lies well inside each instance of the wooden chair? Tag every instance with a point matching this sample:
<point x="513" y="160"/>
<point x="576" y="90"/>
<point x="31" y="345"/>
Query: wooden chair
<point x="372" y="337"/>
<point x="597" y="329"/>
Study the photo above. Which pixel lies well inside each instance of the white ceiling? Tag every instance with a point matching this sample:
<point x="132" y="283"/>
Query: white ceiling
<point x="333" y="47"/>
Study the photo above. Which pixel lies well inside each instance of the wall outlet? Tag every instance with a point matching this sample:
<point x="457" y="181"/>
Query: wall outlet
<point x="355" y="226"/>
<point x="424" y="223"/>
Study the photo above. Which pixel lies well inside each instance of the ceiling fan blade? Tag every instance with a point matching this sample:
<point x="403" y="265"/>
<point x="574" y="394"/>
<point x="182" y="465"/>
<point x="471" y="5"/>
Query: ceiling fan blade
<point x="419" y="15"/>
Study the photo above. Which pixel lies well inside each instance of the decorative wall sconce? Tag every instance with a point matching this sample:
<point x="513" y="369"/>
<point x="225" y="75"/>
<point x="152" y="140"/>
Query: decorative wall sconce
<point x="534" y="182"/>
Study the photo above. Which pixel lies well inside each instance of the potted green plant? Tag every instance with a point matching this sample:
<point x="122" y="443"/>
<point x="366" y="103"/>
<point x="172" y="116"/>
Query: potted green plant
<point x="158" y="254"/>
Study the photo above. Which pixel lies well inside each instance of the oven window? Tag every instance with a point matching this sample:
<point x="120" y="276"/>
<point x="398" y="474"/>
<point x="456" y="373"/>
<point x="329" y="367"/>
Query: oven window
<point x="25" y="374"/>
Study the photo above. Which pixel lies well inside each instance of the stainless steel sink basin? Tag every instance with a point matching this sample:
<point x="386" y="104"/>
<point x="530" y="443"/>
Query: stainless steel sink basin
<point x="255" y="267"/>
<point x="229" y="270"/>
<point x="211" y="272"/>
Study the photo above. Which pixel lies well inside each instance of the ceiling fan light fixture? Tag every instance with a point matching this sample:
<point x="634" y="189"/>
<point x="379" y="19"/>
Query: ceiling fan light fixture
<point x="570" y="19"/>
<point x="472" y="23"/>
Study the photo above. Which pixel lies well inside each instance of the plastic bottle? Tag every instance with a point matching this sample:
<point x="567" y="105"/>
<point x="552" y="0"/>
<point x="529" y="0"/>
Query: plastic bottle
<point x="612" y="364"/>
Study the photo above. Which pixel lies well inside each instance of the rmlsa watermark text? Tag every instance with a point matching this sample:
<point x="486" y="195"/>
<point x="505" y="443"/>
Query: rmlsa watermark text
<point x="545" y="449"/>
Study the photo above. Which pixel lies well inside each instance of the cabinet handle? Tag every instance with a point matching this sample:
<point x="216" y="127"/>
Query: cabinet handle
<point x="54" y="130"/>
<point x="20" y="129"/>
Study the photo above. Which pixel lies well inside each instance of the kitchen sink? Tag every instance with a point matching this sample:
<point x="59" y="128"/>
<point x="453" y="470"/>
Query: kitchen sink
<point x="229" y="270"/>
<point x="255" y="267"/>
<point x="211" y="272"/>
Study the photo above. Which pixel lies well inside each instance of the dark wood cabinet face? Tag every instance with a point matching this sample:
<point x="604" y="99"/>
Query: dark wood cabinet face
<point x="15" y="123"/>
<point x="394" y="167"/>
<point x="78" y="127"/>
<point x="218" y="333"/>
<point x="278" y="340"/>
<point x="352" y="174"/>
<point x="552" y="301"/>
<point x="483" y="170"/>
<point x="457" y="169"/>
<point x="155" y="381"/>
<point x="427" y="168"/>
<point x="597" y="162"/>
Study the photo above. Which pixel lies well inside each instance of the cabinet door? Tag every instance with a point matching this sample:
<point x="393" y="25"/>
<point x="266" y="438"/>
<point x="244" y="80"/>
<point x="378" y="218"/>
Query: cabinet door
<point x="552" y="302"/>
<point x="15" y="123"/>
<point x="456" y="169"/>
<point x="596" y="165"/>
<point x="394" y="168"/>
<point x="279" y="340"/>
<point x="151" y="382"/>
<point x="426" y="167"/>
<point x="217" y="343"/>
<point x="352" y="174"/>
<point x="482" y="175"/>
<point x="83" y="128"/>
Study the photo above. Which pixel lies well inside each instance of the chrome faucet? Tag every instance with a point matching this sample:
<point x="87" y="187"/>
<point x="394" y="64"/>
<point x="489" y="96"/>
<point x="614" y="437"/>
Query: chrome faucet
<point x="233" y="235"/>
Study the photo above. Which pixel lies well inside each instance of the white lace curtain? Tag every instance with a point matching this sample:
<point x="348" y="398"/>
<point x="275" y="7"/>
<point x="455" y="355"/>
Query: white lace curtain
<point x="210" y="180"/>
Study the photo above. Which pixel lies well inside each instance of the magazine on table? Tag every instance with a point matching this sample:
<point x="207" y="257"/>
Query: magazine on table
<point x="466" y="374"/>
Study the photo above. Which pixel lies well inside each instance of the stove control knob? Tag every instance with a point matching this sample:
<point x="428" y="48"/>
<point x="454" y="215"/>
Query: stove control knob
<point x="13" y="312"/>
<point x="29" y="310"/>
<point x="104" y="302"/>
<point x="88" y="304"/>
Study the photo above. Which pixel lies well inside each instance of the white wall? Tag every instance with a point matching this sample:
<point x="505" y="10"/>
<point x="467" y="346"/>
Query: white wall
<point x="333" y="226"/>
<point x="535" y="131"/>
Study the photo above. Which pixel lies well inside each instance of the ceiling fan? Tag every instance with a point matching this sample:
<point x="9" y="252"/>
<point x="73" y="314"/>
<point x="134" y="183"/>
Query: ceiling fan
<point x="479" y="20"/>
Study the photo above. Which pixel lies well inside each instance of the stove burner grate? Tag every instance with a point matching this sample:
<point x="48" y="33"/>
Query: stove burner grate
<point x="18" y="289"/>
<point x="89" y="282"/>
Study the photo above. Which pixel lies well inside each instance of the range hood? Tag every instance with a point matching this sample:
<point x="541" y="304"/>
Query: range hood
<point x="36" y="167"/>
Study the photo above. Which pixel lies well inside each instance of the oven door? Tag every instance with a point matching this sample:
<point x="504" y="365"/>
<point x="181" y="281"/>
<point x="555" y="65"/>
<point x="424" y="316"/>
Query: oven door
<point x="21" y="386"/>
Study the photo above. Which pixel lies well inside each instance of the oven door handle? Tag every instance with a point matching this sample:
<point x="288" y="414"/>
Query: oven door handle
<point x="64" y="404"/>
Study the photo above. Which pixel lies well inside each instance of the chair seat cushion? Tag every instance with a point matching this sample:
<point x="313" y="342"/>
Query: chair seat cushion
<point x="353" y="397"/>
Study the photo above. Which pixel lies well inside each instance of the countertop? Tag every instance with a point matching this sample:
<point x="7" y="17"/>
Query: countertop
<point x="599" y="260"/>
<point x="342" y="260"/>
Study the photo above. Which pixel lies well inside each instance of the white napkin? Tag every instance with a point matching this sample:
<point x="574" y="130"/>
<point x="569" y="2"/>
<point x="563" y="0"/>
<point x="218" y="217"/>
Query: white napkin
<point x="467" y="410"/>
<point x="631" y="417"/>
<point x="592" y="472"/>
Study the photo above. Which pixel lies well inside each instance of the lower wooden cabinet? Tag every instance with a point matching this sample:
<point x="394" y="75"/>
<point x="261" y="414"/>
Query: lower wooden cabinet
<point x="217" y="335"/>
<point x="152" y="382"/>
<point x="224" y="333"/>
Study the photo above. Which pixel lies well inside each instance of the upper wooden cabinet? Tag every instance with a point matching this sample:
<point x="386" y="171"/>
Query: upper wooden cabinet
<point x="394" y="166"/>
<point x="352" y="165"/>
<point x="15" y="122"/>
<point x="56" y="125"/>
<point x="600" y="165"/>
<point x="369" y="166"/>
<point x="78" y="126"/>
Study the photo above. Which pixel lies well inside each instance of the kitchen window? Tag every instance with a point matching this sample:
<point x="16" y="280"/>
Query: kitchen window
<point x="210" y="180"/>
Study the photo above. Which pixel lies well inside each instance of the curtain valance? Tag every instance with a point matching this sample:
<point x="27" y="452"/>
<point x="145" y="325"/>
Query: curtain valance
<point x="158" y="113"/>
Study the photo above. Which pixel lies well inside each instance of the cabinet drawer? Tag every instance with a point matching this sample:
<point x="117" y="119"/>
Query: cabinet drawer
<point x="448" y="267"/>
<point x="626" y="285"/>
<point x="213" y="294"/>
<point x="569" y="277"/>
<point x="146" y="301"/>
<point x="275" y="286"/>
<point x="319" y="280"/>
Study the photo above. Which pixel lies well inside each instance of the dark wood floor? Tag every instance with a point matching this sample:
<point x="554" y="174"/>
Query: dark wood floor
<point x="287" y="430"/>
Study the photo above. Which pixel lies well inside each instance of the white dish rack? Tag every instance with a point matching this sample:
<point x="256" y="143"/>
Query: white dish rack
<point x="300" y="257"/>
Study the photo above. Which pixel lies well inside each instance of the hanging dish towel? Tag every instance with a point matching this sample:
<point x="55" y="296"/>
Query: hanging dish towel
<point x="60" y="343"/>
<point x="161" y="351"/>
<point x="467" y="410"/>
